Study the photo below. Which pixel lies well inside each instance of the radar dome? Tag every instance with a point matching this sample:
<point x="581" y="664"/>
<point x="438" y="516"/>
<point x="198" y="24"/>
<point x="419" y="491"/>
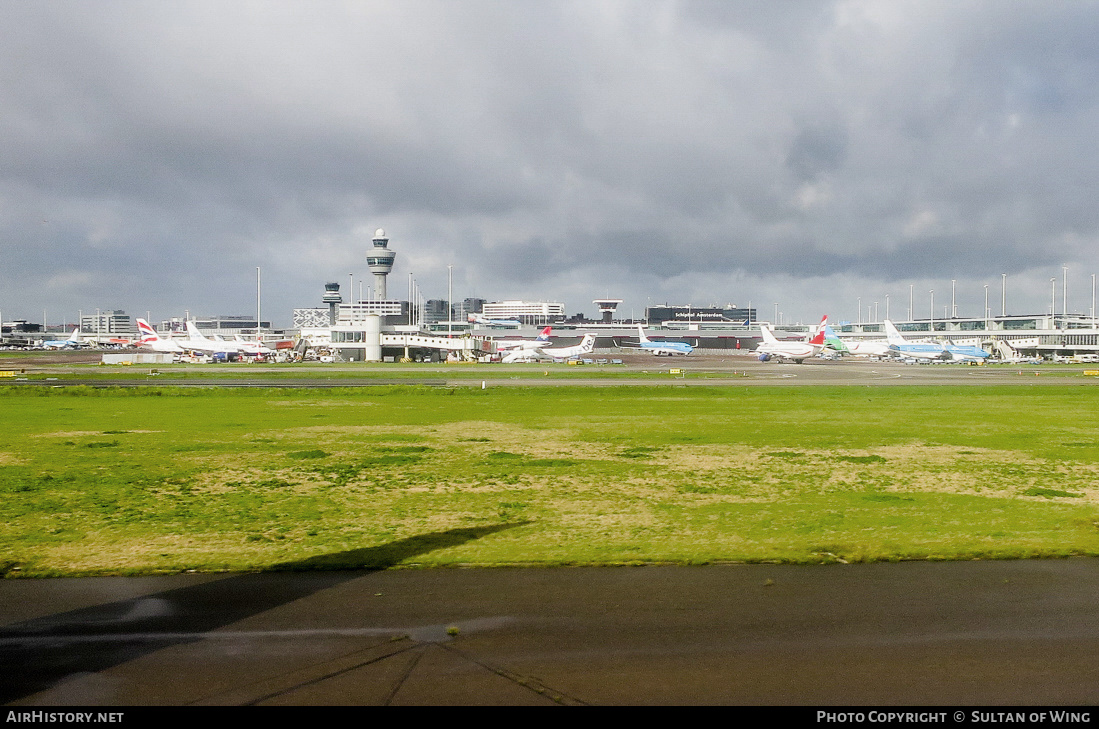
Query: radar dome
<point x="379" y="233"/>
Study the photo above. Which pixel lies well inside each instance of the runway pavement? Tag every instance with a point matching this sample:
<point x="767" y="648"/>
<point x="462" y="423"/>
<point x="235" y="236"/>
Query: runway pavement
<point x="697" y="370"/>
<point x="918" y="633"/>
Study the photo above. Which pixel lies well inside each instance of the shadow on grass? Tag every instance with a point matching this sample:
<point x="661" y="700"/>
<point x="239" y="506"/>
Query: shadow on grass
<point x="40" y="654"/>
<point x="393" y="553"/>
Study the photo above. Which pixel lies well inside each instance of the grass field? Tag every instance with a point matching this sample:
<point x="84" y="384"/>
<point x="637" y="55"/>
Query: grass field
<point x="163" y="479"/>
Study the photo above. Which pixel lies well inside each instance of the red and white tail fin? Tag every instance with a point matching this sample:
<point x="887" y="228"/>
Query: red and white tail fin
<point x="148" y="334"/>
<point x="545" y="335"/>
<point x="819" y="338"/>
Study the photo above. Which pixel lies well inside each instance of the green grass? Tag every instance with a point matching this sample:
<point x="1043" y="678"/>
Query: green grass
<point x="160" y="479"/>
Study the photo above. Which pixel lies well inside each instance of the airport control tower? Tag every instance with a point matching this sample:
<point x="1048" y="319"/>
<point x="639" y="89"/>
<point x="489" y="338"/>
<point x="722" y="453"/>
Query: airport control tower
<point x="333" y="299"/>
<point x="607" y="308"/>
<point x="380" y="261"/>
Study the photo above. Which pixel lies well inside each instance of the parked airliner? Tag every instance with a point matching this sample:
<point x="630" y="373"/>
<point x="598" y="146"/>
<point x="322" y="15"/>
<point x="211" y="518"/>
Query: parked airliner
<point x="543" y="352"/>
<point x="73" y="342"/>
<point x="506" y="323"/>
<point x="517" y="349"/>
<point x="873" y="348"/>
<point x="797" y="352"/>
<point x="150" y="339"/>
<point x="966" y="352"/>
<point x="659" y="348"/>
<point x="199" y="342"/>
<point x="900" y="347"/>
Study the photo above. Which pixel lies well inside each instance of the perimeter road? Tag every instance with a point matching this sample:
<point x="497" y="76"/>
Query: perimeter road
<point x="905" y="634"/>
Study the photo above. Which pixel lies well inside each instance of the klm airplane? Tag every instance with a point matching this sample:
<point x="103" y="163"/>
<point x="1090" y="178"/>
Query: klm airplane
<point x="900" y="347"/>
<point x="962" y="352"/>
<point x="659" y="348"/>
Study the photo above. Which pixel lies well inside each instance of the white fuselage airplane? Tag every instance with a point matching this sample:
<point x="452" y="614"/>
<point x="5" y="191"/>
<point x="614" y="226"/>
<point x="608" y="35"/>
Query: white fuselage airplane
<point x="797" y="352"/>
<point x="516" y="348"/>
<point x="507" y="323"/>
<point x="150" y="339"/>
<point x="543" y="352"/>
<point x="201" y="343"/>
<point x="872" y="348"/>
<point x="587" y="344"/>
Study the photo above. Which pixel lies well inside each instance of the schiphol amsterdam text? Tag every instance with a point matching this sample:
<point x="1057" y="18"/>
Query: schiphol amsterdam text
<point x="956" y="717"/>
<point x="64" y="717"/>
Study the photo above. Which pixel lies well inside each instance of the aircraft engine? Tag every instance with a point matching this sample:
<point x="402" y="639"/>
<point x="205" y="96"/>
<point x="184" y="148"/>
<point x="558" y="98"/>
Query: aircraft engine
<point x="764" y="357"/>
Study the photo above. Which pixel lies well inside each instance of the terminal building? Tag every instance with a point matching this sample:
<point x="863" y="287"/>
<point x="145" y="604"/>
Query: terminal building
<point x="730" y="314"/>
<point x="528" y="312"/>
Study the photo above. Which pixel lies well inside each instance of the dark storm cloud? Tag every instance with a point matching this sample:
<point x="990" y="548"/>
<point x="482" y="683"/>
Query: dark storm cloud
<point x="816" y="150"/>
<point x="156" y="153"/>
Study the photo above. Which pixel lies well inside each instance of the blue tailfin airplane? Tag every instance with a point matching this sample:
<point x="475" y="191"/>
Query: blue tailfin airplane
<point x="659" y="348"/>
<point x="73" y="342"/>
<point x="899" y="346"/>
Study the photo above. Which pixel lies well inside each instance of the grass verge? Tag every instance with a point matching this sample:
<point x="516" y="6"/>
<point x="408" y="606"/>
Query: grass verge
<point x="164" y="479"/>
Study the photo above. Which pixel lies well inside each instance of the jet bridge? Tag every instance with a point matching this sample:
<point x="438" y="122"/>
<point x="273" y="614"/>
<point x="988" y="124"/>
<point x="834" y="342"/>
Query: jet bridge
<point x="366" y="342"/>
<point x="468" y="348"/>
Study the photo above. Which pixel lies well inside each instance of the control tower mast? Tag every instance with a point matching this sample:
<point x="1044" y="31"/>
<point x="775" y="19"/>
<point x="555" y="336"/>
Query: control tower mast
<point x="333" y="299"/>
<point x="607" y="308"/>
<point x="380" y="261"/>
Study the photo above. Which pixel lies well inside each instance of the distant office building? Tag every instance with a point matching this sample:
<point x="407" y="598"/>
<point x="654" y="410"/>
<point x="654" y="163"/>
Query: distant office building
<point x="231" y="324"/>
<point x="528" y="312"/>
<point x="22" y="326"/>
<point x="114" y="323"/>
<point x="461" y="310"/>
<point x="357" y="311"/>
<point x="698" y="314"/>
<point x="225" y="326"/>
<point x="435" y="310"/>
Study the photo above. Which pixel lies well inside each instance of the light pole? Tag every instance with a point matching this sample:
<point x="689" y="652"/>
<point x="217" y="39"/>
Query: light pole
<point x="859" y="299"/>
<point x="1053" y="301"/>
<point x="931" y="322"/>
<point x="953" y="306"/>
<point x="1064" y="290"/>
<point x="911" y="311"/>
<point x="887" y="306"/>
<point x="449" y="300"/>
<point x="351" y="294"/>
<point x="1003" y="295"/>
<point x="986" y="306"/>
<point x="259" y="318"/>
<point x="1093" y="299"/>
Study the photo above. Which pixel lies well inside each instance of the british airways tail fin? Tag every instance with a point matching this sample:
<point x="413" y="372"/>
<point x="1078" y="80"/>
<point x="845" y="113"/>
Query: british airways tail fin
<point x="146" y="331"/>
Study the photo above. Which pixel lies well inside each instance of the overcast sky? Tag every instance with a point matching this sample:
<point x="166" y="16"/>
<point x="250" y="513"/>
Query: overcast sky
<point x="804" y="153"/>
